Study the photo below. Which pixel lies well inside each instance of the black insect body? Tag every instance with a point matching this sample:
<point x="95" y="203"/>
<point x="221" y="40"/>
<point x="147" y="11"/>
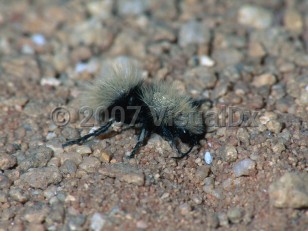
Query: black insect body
<point x="156" y="108"/>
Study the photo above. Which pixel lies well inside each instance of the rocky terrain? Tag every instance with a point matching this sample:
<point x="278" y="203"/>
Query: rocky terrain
<point x="248" y="57"/>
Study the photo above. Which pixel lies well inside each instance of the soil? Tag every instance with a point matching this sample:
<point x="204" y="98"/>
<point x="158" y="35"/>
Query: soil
<point x="248" y="173"/>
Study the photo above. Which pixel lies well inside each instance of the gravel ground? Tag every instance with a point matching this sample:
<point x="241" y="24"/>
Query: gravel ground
<point x="249" y="57"/>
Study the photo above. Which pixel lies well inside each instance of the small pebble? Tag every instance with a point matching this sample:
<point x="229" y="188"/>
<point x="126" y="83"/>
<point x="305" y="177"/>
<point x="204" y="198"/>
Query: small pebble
<point x="223" y="220"/>
<point x="7" y="161"/>
<point x="290" y="191"/>
<point x="293" y="21"/>
<point x="206" y="61"/>
<point x="193" y="32"/>
<point x="264" y="80"/>
<point x="228" y="153"/>
<point x="68" y="167"/>
<point x="235" y="215"/>
<point x="141" y="225"/>
<point x="124" y="172"/>
<point x="83" y="150"/>
<point x="41" y="177"/>
<point x="208" y="158"/>
<point x="184" y="208"/>
<point x="255" y="16"/>
<point x="274" y="126"/>
<point x="202" y="172"/>
<point x="212" y="221"/>
<point x="50" y="81"/>
<point x="97" y="222"/>
<point x="76" y="222"/>
<point x="38" y="39"/>
<point x="90" y="164"/>
<point x="244" y="167"/>
<point x="19" y="195"/>
<point x="131" y="7"/>
<point x="278" y="148"/>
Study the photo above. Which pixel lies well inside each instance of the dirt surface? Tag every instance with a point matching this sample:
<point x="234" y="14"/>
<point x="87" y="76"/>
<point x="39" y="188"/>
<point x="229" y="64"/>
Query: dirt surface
<point x="250" y="59"/>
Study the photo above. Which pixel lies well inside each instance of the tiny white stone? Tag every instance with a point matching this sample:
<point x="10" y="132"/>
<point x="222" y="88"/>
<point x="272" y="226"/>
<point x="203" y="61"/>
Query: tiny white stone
<point x="81" y="67"/>
<point x="39" y="39"/>
<point x="97" y="222"/>
<point x="206" y="61"/>
<point x="26" y="49"/>
<point x="210" y="144"/>
<point x="90" y="67"/>
<point x="208" y="157"/>
<point x="51" y="81"/>
<point x="50" y="135"/>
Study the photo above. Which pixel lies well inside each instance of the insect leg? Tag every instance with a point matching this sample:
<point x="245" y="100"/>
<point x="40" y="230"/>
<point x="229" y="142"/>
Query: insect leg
<point x="181" y="154"/>
<point x="83" y="139"/>
<point x="142" y="136"/>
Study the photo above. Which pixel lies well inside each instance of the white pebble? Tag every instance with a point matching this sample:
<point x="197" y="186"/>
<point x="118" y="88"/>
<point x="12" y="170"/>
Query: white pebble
<point x="50" y="135"/>
<point x="97" y="222"/>
<point x="88" y="67"/>
<point x="244" y="167"/>
<point x="206" y="61"/>
<point x="39" y="39"/>
<point x="26" y="49"/>
<point x="81" y="67"/>
<point x="51" y="81"/>
<point x="208" y="157"/>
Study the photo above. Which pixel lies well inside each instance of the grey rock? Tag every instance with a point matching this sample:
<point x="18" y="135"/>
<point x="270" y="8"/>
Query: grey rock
<point x="97" y="222"/>
<point x="83" y="150"/>
<point x="274" y="126"/>
<point x="132" y="7"/>
<point x="124" y="172"/>
<point x="68" y="167"/>
<point x="225" y="57"/>
<point x="185" y="208"/>
<point x="19" y="195"/>
<point x="193" y="32"/>
<point x="36" y="213"/>
<point x="220" y="90"/>
<point x="5" y="182"/>
<point x="202" y="76"/>
<point x="301" y="59"/>
<point x="266" y="79"/>
<point x="290" y="191"/>
<point x="255" y="16"/>
<point x="212" y="221"/>
<point x="235" y="215"/>
<point x="56" y="214"/>
<point x="7" y="161"/>
<point x="73" y="156"/>
<point x="41" y="177"/>
<point x="293" y="21"/>
<point x="243" y="135"/>
<point x="90" y="164"/>
<point x="228" y="153"/>
<point x="223" y="220"/>
<point x="70" y="133"/>
<point x="202" y="172"/>
<point x="244" y="167"/>
<point x="37" y="157"/>
<point x="76" y="222"/>
<point x="3" y="197"/>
